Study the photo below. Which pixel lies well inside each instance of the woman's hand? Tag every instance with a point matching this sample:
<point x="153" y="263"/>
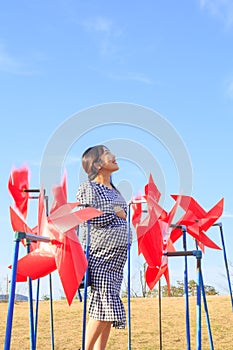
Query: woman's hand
<point x="120" y="212"/>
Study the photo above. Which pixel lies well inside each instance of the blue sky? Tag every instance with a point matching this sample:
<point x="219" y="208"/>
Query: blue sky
<point x="61" y="57"/>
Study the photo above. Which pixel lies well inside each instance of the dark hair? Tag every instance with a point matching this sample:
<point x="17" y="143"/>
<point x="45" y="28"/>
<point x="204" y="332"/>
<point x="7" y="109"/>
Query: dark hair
<point x="91" y="160"/>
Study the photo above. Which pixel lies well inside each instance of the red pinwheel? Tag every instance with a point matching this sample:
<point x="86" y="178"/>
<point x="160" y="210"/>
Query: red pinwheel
<point x="151" y="190"/>
<point x="153" y="236"/>
<point x="41" y="260"/>
<point x="137" y="210"/>
<point x="151" y="194"/>
<point x="197" y="221"/>
<point x="155" y="272"/>
<point x="18" y="182"/>
<point x="65" y="253"/>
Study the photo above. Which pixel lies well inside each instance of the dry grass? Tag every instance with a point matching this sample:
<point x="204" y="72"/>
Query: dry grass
<point x="144" y="320"/>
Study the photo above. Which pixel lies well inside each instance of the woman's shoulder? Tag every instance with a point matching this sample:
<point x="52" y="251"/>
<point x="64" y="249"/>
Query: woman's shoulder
<point x="84" y="187"/>
<point x="85" y="184"/>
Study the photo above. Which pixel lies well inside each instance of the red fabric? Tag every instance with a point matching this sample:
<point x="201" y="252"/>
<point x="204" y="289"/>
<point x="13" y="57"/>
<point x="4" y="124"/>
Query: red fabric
<point x="151" y="190"/>
<point x="37" y="264"/>
<point x="71" y="264"/>
<point x="153" y="275"/>
<point x="69" y="220"/>
<point x="18" y="182"/>
<point x="136" y="210"/>
<point x="17" y="223"/>
<point x="150" y="242"/>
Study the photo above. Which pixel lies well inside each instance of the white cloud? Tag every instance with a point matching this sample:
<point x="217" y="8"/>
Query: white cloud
<point x="139" y="77"/>
<point x="220" y="9"/>
<point x="98" y="24"/>
<point x="230" y="89"/>
<point x="13" y="64"/>
<point x="227" y="215"/>
<point x="105" y="33"/>
<point x="125" y="76"/>
<point x="7" y="61"/>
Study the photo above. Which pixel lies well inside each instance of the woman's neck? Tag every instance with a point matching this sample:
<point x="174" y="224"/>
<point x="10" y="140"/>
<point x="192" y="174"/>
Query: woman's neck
<point x="103" y="179"/>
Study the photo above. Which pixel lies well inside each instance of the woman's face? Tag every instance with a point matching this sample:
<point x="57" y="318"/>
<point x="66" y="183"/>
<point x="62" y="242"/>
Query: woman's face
<point x="108" y="161"/>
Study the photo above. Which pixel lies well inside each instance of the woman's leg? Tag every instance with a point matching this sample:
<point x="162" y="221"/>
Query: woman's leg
<point x="101" y="342"/>
<point x="97" y="333"/>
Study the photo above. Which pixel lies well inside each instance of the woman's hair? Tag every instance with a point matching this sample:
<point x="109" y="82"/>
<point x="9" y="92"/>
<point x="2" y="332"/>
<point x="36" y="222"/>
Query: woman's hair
<point x="91" y="160"/>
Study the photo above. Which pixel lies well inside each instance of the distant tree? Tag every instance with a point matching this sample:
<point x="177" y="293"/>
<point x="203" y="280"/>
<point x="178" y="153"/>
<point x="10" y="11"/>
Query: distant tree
<point x="124" y="290"/>
<point x="178" y="290"/>
<point x="164" y="291"/>
<point x="192" y="288"/>
<point x="174" y="291"/>
<point x="152" y="293"/>
<point x="210" y="290"/>
<point x="45" y="297"/>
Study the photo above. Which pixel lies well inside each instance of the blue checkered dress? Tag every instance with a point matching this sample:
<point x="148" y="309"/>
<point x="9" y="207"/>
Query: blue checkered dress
<point x="108" y="252"/>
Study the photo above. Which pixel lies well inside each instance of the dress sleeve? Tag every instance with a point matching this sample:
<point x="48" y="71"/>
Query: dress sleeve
<point x="87" y="195"/>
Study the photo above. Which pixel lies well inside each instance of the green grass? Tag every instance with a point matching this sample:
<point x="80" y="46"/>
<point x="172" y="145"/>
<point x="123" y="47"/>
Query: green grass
<point x="144" y="322"/>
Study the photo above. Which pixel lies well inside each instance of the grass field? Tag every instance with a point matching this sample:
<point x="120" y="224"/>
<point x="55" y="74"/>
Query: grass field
<point x="144" y="322"/>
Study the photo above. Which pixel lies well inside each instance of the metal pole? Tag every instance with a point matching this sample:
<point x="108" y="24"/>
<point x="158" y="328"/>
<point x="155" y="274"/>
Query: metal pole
<point x="85" y="286"/>
<point x="79" y="295"/>
<point x="129" y="284"/>
<point x="37" y="309"/>
<point x="12" y="295"/>
<point x="31" y="316"/>
<point x="160" y="317"/>
<point x="51" y="311"/>
<point x="18" y="237"/>
<point x="198" y="305"/>
<point x="38" y="281"/>
<point x="186" y="253"/>
<point x="205" y="307"/>
<point x="186" y="290"/>
<point x="50" y="288"/>
<point x="226" y="263"/>
<point x="206" y="312"/>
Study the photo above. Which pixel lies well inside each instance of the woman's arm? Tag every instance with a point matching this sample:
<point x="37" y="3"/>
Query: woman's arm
<point x="120" y="212"/>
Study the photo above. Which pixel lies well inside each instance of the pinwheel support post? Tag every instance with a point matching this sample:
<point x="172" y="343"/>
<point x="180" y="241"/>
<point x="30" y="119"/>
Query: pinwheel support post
<point x="160" y="317"/>
<point x="50" y="288"/>
<point x="200" y="290"/>
<point x="129" y="268"/>
<point x="139" y="201"/>
<point x="86" y="278"/>
<point x="184" y="232"/>
<point x="129" y="277"/>
<point x="33" y="329"/>
<point x="38" y="281"/>
<point x="18" y="237"/>
<point x="219" y="224"/>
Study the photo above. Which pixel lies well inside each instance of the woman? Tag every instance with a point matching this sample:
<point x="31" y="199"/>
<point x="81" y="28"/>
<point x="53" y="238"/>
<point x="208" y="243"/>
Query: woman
<point x="108" y="245"/>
